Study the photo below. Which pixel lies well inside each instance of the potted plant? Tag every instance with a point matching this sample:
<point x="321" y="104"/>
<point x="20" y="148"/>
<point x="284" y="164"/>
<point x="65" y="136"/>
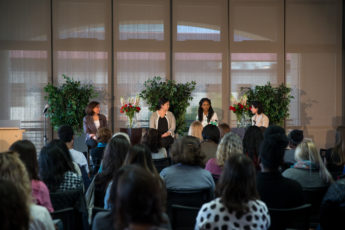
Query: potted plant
<point x="178" y="94"/>
<point x="67" y="103"/>
<point x="275" y="101"/>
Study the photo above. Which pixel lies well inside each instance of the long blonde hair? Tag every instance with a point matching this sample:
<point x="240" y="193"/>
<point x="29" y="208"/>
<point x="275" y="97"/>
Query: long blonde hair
<point x="13" y="169"/>
<point x="230" y="144"/>
<point x="307" y="151"/>
<point x="195" y="130"/>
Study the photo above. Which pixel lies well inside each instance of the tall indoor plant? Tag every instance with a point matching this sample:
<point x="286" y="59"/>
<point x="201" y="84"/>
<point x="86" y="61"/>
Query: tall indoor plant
<point x="275" y="101"/>
<point x="178" y="94"/>
<point x="67" y="103"/>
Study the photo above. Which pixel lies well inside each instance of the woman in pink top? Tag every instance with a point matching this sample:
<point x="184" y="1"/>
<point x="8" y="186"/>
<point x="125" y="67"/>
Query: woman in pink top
<point x="28" y="155"/>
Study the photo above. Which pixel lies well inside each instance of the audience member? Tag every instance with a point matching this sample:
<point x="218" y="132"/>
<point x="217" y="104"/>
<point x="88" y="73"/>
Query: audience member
<point x="335" y="157"/>
<point x="27" y="153"/>
<point x="55" y="170"/>
<point x="224" y="128"/>
<point x="309" y="169"/>
<point x="103" y="135"/>
<point x="152" y="140"/>
<point x="12" y="169"/>
<point x="274" y="189"/>
<point x="238" y="206"/>
<point x="13" y="205"/>
<point x="195" y="129"/>
<point x="209" y="145"/>
<point x="251" y="144"/>
<point x="231" y="144"/>
<point x="187" y="172"/>
<point x="295" y="138"/>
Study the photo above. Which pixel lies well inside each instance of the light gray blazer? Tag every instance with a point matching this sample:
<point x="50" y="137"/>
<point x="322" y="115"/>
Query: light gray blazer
<point x="170" y="118"/>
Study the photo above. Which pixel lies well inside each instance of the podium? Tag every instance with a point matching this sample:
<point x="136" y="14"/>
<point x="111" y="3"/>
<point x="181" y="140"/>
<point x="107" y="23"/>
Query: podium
<point x="9" y="135"/>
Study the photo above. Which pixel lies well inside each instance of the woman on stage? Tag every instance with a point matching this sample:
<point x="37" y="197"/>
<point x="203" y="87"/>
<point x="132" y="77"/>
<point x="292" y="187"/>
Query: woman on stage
<point x="259" y="119"/>
<point x="206" y="115"/>
<point x="92" y="122"/>
<point x="164" y="121"/>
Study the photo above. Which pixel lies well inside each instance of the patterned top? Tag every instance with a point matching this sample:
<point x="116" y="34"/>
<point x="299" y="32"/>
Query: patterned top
<point x="71" y="181"/>
<point x="214" y="215"/>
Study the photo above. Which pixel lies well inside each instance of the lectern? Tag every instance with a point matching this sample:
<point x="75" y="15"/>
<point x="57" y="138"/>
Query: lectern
<point x="10" y="132"/>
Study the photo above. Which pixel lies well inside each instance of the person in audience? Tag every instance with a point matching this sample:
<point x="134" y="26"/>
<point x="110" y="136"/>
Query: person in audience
<point x="295" y="138"/>
<point x="231" y="144"/>
<point x="103" y="135"/>
<point x="152" y="140"/>
<point x="136" y="200"/>
<point x="12" y="169"/>
<point x="114" y="156"/>
<point x="309" y="169"/>
<point x="332" y="210"/>
<point x="259" y="118"/>
<point x="206" y="115"/>
<point x="335" y="157"/>
<point x="251" y="144"/>
<point x="224" y="128"/>
<point x="55" y="170"/>
<point x="164" y="121"/>
<point x="66" y="134"/>
<point x="187" y="172"/>
<point x="274" y="189"/>
<point x="195" y="130"/>
<point x="92" y="122"/>
<point x="209" y="145"/>
<point x="238" y="205"/>
<point x="13" y="205"/>
<point x="27" y="153"/>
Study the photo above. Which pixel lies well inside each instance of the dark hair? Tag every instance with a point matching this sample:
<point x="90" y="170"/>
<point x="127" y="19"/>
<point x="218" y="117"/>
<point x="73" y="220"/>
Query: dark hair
<point x="258" y="106"/>
<point x="224" y="128"/>
<point x="187" y="150"/>
<point x="103" y="135"/>
<point x="13" y="205"/>
<point x="338" y="151"/>
<point x="140" y="154"/>
<point x="28" y="155"/>
<point x="65" y="151"/>
<point x="138" y="198"/>
<point x="90" y="107"/>
<point x="273" y="147"/>
<point x="211" y="132"/>
<point x="251" y="143"/>
<point x="200" y="111"/>
<point x="295" y="137"/>
<point x="237" y="184"/>
<point x="161" y="102"/>
<point x="114" y="156"/>
<point x="153" y="140"/>
<point x="53" y="165"/>
<point x="66" y="133"/>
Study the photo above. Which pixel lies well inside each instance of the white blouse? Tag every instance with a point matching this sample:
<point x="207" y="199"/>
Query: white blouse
<point x="260" y="120"/>
<point x="204" y="122"/>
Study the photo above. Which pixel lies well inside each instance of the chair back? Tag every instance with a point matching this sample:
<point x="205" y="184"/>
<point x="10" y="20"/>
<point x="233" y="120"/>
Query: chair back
<point x="183" y="217"/>
<point x="160" y="164"/>
<point x="314" y="197"/>
<point x="291" y="218"/>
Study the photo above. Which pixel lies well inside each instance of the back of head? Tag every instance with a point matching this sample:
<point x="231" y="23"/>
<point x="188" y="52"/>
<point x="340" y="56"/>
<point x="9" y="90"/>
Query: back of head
<point x="27" y="153"/>
<point x="138" y="199"/>
<point x="141" y="155"/>
<point x="13" y="169"/>
<point x="211" y="132"/>
<point x="273" y="147"/>
<point x="224" y="128"/>
<point x="252" y="140"/>
<point x="295" y="137"/>
<point x="195" y="129"/>
<point x="13" y="205"/>
<point x="66" y="133"/>
<point x="339" y="147"/>
<point x="152" y="139"/>
<point x="187" y="150"/>
<point x="237" y="184"/>
<point x="230" y="144"/>
<point x="103" y="135"/>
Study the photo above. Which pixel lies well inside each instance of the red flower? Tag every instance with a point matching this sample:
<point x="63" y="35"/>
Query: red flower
<point x="125" y="105"/>
<point x="232" y="108"/>
<point x="130" y="106"/>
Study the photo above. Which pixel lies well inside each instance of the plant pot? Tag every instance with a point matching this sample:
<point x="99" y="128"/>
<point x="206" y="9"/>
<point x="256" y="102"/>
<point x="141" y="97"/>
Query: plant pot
<point x="134" y="134"/>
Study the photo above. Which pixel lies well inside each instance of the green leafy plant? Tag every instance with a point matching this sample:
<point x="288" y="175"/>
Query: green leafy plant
<point x="275" y="101"/>
<point x="178" y="95"/>
<point x="67" y="103"/>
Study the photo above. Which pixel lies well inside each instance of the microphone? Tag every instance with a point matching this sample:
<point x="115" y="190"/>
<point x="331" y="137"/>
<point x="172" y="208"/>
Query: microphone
<point x="45" y="108"/>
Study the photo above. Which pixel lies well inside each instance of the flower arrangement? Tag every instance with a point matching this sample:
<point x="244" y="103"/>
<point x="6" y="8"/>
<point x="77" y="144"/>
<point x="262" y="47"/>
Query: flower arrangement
<point x="241" y="109"/>
<point x="130" y="107"/>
